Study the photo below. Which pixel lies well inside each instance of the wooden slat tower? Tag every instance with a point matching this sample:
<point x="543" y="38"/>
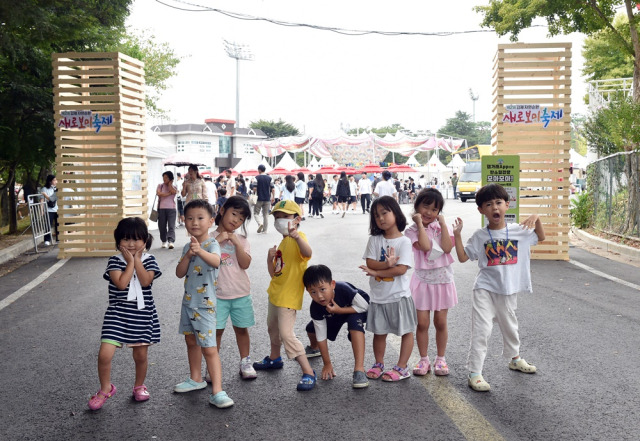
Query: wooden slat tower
<point x="537" y="74"/>
<point x="102" y="174"/>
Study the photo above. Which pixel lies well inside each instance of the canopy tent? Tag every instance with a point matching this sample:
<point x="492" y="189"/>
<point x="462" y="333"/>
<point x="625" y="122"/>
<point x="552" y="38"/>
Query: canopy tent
<point x="250" y="163"/>
<point x="435" y="168"/>
<point x="313" y="164"/>
<point x="412" y="161"/>
<point x="456" y="164"/>
<point x="360" y="149"/>
<point x="327" y="161"/>
<point x="287" y="163"/>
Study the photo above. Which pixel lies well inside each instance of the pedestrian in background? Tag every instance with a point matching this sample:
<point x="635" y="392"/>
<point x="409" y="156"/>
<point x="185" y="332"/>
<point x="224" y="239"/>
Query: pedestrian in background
<point x="364" y="191"/>
<point x="166" y="193"/>
<point x="131" y="316"/>
<point x="317" y="195"/>
<point x="49" y="192"/>
<point x="193" y="186"/>
<point x="264" y="190"/>
<point x="343" y="192"/>
<point x="288" y="189"/>
<point x="301" y="192"/>
<point x="179" y="202"/>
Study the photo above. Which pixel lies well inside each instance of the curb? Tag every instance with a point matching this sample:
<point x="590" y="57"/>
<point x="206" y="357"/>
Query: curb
<point x="17" y="249"/>
<point x="606" y="244"/>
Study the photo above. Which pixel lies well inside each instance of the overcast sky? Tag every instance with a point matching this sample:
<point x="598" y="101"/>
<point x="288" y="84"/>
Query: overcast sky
<point x="318" y="80"/>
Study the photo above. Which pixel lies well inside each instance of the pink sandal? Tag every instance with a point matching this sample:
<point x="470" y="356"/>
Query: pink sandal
<point x="97" y="401"/>
<point x="396" y="374"/>
<point x="375" y="371"/>
<point x="140" y="393"/>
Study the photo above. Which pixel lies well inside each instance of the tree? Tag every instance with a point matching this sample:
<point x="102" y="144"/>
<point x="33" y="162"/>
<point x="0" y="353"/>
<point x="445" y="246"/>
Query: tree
<point x="604" y="56"/>
<point x="275" y="129"/>
<point x="30" y="33"/>
<point x="566" y="16"/>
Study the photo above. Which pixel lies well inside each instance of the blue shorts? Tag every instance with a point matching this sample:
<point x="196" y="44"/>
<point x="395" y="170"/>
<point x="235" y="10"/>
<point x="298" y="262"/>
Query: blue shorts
<point x="355" y="322"/>
<point x="201" y="322"/>
<point x="240" y="310"/>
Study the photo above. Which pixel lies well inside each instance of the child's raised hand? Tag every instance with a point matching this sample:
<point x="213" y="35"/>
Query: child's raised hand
<point x="194" y="246"/>
<point x="391" y="257"/>
<point x="530" y="222"/>
<point x="327" y="372"/>
<point x="442" y="221"/>
<point x="271" y="254"/>
<point x="333" y="308"/>
<point x="368" y="271"/>
<point x="223" y="236"/>
<point x="417" y="219"/>
<point x="457" y="226"/>
<point x="293" y="230"/>
<point x="128" y="257"/>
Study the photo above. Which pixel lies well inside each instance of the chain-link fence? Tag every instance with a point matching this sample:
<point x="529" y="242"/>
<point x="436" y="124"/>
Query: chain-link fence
<point x="615" y="187"/>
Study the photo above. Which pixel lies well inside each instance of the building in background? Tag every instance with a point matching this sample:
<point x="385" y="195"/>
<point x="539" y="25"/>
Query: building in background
<point x="217" y="142"/>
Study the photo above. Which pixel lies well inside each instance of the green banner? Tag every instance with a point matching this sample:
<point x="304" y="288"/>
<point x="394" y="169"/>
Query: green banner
<point x="504" y="170"/>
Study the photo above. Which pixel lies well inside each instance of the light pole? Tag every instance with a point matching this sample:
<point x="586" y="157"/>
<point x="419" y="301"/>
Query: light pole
<point x="239" y="52"/>
<point x="474" y="98"/>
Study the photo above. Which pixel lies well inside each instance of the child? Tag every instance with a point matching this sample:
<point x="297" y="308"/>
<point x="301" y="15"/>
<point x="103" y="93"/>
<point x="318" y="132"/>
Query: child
<point x="334" y="304"/>
<point x="286" y="265"/>
<point x="221" y="199"/>
<point x="432" y="284"/>
<point x="131" y="316"/>
<point x="502" y="252"/>
<point x="388" y="258"/>
<point x="233" y="291"/>
<point x="199" y="263"/>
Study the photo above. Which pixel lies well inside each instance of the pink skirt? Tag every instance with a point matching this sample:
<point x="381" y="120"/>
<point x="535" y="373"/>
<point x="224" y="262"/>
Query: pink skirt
<point x="433" y="297"/>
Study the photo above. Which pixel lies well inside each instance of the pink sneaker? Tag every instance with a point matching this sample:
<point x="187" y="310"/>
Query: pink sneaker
<point x="140" y="393"/>
<point x="423" y="367"/>
<point x="440" y="367"/>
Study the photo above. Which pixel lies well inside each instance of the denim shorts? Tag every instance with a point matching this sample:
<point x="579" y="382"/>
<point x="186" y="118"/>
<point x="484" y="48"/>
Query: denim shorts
<point x="240" y="310"/>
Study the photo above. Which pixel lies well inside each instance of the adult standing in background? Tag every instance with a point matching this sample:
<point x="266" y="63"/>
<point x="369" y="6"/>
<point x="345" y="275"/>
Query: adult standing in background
<point x="49" y="192"/>
<point x="180" y="205"/>
<point x="241" y="187"/>
<point x="318" y="195"/>
<point x="364" y="191"/>
<point x="454" y="184"/>
<point x="166" y="193"/>
<point x="343" y="193"/>
<point x="193" y="186"/>
<point x="264" y="190"/>
<point x="353" y="191"/>
<point x="310" y="186"/>
<point x="212" y="192"/>
<point x="288" y="189"/>
<point x="386" y="187"/>
<point x="301" y="192"/>
<point x="231" y="184"/>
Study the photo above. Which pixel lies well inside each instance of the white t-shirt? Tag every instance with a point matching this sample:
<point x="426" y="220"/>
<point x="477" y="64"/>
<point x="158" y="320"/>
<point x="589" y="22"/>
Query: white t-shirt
<point x="287" y="195"/>
<point x="504" y="264"/>
<point x="301" y="189"/>
<point x="353" y="188"/>
<point x="212" y="193"/>
<point x="333" y="185"/>
<point x="385" y="188"/>
<point x="364" y="186"/>
<point x="389" y="291"/>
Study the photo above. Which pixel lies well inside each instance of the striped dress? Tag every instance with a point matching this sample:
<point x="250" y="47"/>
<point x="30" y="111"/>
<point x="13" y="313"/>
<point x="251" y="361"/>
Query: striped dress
<point x="123" y="321"/>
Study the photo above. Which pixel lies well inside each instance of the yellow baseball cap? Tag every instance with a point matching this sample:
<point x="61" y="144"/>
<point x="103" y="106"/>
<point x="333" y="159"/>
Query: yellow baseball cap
<point x="288" y="206"/>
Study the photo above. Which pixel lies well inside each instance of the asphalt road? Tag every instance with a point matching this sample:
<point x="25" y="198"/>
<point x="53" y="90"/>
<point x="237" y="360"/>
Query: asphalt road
<point x="580" y="329"/>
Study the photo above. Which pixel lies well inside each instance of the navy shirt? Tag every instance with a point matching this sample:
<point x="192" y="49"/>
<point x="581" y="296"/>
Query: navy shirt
<point x="264" y="186"/>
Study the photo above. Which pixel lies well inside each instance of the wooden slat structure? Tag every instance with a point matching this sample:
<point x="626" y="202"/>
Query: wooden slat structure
<point x="526" y="76"/>
<point x="101" y="161"/>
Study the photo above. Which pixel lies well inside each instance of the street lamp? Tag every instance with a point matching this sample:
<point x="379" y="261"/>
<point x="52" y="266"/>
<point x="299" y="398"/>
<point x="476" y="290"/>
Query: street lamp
<point x="239" y="52"/>
<point x="474" y="98"/>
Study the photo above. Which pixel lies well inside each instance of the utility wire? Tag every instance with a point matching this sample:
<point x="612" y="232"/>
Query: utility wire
<point x="350" y="32"/>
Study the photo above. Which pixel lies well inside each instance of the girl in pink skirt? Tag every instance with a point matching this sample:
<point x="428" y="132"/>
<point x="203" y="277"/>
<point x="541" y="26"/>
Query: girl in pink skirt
<point x="432" y="286"/>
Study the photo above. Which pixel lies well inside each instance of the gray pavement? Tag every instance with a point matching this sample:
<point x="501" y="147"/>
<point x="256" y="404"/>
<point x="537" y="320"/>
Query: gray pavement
<point x="578" y="328"/>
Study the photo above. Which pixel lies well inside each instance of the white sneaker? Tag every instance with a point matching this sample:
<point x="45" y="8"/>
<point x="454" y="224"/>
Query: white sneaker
<point x="47" y="243"/>
<point x="170" y="245"/>
<point x="164" y="244"/>
<point x="246" y="369"/>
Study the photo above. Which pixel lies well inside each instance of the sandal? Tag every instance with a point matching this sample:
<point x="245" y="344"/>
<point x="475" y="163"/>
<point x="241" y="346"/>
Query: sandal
<point x="140" y="393"/>
<point x="375" y="371"/>
<point x="97" y="401"/>
<point x="441" y="367"/>
<point x="396" y="374"/>
<point x="423" y="367"/>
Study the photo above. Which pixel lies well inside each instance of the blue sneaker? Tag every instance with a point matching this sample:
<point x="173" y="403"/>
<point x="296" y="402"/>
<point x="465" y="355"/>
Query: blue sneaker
<point x="189" y="385"/>
<point x="307" y="382"/>
<point x="221" y="400"/>
<point x="268" y="363"/>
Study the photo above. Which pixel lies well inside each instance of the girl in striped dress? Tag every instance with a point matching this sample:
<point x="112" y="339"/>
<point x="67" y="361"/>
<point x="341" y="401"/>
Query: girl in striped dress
<point x="131" y="316"/>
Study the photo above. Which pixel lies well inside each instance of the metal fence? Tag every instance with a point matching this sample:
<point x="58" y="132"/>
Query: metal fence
<point x="40" y="224"/>
<point x="614" y="184"/>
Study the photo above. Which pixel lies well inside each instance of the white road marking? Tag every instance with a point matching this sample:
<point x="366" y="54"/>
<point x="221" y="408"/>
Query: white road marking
<point x="28" y="287"/>
<point x="605" y="275"/>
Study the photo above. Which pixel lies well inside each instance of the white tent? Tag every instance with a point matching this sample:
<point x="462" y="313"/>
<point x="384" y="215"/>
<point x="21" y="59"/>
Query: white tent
<point x="313" y="164"/>
<point x="412" y="161"/>
<point x="251" y="162"/>
<point x="287" y="163"/>
<point x="457" y="162"/>
<point x="328" y="161"/>
<point x="435" y="168"/>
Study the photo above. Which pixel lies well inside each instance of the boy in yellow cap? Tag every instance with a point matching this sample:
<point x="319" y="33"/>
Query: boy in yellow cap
<point x="287" y="263"/>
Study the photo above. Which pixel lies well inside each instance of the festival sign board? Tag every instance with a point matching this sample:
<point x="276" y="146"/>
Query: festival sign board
<point x="504" y="170"/>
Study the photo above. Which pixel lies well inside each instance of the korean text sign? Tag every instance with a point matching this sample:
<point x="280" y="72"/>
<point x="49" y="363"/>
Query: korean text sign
<point x="504" y="170"/>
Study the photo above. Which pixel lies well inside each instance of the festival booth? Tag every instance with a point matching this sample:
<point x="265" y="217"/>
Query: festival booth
<point x="457" y="164"/>
<point x="285" y="166"/>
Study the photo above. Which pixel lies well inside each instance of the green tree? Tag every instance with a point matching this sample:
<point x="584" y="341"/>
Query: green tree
<point x="30" y="32"/>
<point x="566" y="16"/>
<point x="275" y="129"/>
<point x="160" y="63"/>
<point x="604" y="55"/>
